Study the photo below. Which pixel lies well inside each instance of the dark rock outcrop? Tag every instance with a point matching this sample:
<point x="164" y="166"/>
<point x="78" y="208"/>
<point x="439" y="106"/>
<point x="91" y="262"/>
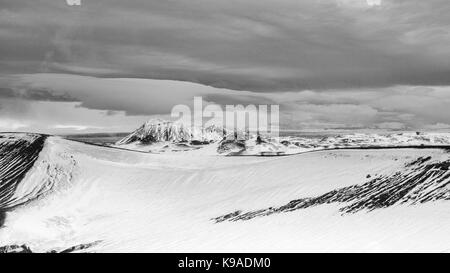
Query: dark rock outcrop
<point x="420" y="181"/>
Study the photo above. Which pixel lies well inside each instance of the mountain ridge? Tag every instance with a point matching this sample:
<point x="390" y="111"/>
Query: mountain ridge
<point x="158" y="130"/>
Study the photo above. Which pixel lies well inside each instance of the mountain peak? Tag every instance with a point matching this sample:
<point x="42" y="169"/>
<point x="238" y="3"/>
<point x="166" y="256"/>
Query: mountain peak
<point x="159" y="130"/>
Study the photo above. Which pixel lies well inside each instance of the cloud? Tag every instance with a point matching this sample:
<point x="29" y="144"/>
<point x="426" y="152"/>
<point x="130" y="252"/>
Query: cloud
<point x="391" y="125"/>
<point x="374" y="2"/>
<point x="407" y="107"/>
<point x="268" y="46"/>
<point x="11" y="125"/>
<point x="61" y="118"/>
<point x="74" y="127"/>
<point x="328" y="64"/>
<point x="122" y="104"/>
<point x="132" y="96"/>
<point x="34" y="94"/>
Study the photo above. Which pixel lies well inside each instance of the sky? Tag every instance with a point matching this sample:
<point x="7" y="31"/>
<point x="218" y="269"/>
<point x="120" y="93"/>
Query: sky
<point x="109" y="65"/>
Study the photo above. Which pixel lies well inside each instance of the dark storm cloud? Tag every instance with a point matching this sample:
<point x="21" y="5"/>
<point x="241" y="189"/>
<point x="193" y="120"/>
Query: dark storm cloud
<point x="35" y="95"/>
<point x="246" y="45"/>
<point x="131" y="96"/>
<point x="7" y="93"/>
<point x="327" y="63"/>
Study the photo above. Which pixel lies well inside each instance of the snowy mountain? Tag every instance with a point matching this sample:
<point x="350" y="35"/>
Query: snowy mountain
<point x="370" y="140"/>
<point x="167" y="136"/>
<point x="162" y="130"/>
<point x="59" y="195"/>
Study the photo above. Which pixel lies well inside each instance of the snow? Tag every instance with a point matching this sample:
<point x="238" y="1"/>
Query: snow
<point x="17" y="155"/>
<point x="14" y="137"/>
<point x="132" y="201"/>
<point x="162" y="130"/>
<point x="160" y="136"/>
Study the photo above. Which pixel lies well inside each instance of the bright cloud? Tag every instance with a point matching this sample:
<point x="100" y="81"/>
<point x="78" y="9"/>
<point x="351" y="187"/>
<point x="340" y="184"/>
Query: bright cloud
<point x="11" y="125"/>
<point x="374" y="2"/>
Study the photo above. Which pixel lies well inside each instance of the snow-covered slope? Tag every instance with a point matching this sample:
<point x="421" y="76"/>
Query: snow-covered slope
<point x="107" y="199"/>
<point x="18" y="152"/>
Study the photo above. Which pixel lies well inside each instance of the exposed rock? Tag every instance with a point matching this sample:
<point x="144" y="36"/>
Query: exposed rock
<point x="231" y="146"/>
<point x="15" y="249"/>
<point x="420" y="182"/>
